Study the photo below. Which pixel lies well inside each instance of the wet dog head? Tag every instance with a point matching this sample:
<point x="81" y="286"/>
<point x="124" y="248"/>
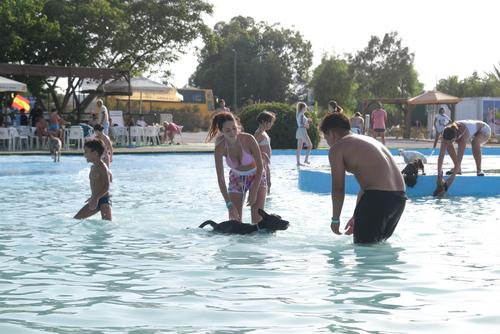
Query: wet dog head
<point x="441" y="189"/>
<point x="272" y="222"/>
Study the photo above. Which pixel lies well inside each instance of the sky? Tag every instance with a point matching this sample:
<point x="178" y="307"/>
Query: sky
<point x="447" y="37"/>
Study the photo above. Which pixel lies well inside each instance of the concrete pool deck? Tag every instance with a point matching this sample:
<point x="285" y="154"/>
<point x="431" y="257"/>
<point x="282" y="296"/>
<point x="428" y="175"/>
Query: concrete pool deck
<point x="194" y="142"/>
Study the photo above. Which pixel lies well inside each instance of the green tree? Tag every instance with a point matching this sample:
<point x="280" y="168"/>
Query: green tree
<point x="332" y="79"/>
<point x="283" y="131"/>
<point x="470" y="86"/>
<point x="132" y="35"/>
<point x="385" y="69"/>
<point x="271" y="62"/>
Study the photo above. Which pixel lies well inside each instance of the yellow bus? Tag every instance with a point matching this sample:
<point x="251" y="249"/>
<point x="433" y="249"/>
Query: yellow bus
<point x="191" y="107"/>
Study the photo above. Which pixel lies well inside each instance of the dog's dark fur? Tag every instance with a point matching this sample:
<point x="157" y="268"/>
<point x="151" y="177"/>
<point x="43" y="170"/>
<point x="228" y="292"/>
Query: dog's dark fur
<point x="269" y="222"/>
<point x="410" y="172"/>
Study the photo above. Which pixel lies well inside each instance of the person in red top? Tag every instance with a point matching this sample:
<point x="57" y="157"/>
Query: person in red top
<point x="379" y="117"/>
<point x="170" y="129"/>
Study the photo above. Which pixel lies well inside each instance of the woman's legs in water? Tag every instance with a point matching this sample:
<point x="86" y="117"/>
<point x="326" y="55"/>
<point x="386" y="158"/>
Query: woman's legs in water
<point x="237" y="200"/>
<point x="259" y="204"/>
<point x="300" y="142"/>
<point x="309" y="148"/>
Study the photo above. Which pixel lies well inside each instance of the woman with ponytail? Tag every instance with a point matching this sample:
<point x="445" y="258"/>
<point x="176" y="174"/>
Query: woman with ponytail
<point x="243" y="157"/>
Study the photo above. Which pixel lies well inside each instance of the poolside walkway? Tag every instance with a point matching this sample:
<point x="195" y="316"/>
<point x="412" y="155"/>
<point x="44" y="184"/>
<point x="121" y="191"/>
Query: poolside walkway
<point x="194" y="142"/>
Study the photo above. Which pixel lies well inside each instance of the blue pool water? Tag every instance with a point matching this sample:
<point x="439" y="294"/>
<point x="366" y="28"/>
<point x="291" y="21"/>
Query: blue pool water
<point x="152" y="270"/>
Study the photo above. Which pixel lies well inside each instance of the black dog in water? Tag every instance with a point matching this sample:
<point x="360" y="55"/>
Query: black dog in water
<point x="410" y="172"/>
<point x="269" y="222"/>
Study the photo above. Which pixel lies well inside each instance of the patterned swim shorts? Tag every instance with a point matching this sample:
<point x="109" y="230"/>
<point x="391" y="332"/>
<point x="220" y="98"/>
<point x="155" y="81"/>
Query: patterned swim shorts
<point x="240" y="182"/>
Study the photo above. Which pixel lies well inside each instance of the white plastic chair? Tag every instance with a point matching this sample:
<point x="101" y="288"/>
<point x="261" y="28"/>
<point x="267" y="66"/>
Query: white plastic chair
<point x="18" y="139"/>
<point x="25" y="131"/>
<point x="5" y="137"/>
<point x="121" y="135"/>
<point x="136" y="134"/>
<point x="152" y="133"/>
<point x="75" y="133"/>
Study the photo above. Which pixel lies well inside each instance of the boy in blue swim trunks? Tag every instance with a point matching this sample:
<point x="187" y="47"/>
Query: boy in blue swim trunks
<point x="99" y="183"/>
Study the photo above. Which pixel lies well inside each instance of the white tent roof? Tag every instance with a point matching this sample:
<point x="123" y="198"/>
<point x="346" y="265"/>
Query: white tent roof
<point x="9" y="85"/>
<point x="139" y="84"/>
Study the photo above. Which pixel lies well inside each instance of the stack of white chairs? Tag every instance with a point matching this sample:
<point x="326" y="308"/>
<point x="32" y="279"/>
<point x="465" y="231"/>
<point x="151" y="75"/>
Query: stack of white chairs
<point x="137" y="135"/>
<point x="35" y="140"/>
<point x="152" y="133"/>
<point x="6" y="138"/>
<point x="75" y="133"/>
<point x="121" y="135"/>
<point x="18" y="139"/>
<point x="25" y="131"/>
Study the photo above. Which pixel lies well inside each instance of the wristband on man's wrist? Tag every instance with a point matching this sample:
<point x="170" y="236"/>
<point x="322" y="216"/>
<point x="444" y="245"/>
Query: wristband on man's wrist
<point x="229" y="204"/>
<point x="335" y="221"/>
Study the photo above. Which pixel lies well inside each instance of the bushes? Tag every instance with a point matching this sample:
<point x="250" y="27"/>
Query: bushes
<point x="283" y="131"/>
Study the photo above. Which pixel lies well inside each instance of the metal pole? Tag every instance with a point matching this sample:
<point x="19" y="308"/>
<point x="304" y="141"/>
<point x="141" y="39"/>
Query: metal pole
<point x="235" y="76"/>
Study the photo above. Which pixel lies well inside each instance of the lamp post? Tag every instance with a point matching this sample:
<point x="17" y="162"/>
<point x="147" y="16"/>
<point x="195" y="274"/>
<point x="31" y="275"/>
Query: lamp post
<point x="235" y="92"/>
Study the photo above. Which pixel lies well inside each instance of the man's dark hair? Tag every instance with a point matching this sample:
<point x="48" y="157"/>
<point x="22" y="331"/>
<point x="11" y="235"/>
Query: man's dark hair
<point x="450" y="132"/>
<point x="98" y="127"/>
<point x="95" y="145"/>
<point x="334" y="121"/>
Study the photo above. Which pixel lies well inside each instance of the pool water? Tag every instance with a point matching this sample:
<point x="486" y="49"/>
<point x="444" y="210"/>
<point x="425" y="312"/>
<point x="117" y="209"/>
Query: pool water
<point x="152" y="270"/>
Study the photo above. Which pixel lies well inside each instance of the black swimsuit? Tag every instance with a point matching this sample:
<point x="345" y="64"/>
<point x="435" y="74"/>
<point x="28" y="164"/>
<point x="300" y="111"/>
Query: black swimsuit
<point x="377" y="215"/>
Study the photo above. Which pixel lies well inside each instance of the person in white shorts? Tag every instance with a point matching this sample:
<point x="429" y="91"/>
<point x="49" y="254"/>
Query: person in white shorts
<point x="440" y="122"/>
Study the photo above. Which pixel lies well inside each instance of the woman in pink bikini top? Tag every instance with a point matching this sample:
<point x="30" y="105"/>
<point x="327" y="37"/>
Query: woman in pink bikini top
<point x="244" y="159"/>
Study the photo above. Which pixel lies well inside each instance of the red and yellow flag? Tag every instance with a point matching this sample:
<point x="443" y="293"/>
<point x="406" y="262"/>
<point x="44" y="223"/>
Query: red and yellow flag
<point x="21" y="103"/>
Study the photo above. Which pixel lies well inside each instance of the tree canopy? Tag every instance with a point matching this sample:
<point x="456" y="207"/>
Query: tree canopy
<point x="332" y="79"/>
<point x="385" y="69"/>
<point x="271" y="62"/>
<point x="474" y="85"/>
<point x="134" y="35"/>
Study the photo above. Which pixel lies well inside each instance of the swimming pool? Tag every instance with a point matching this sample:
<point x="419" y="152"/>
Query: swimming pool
<point x="152" y="270"/>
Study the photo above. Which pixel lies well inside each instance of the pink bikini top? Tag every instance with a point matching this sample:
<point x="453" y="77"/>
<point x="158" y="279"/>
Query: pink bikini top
<point x="246" y="158"/>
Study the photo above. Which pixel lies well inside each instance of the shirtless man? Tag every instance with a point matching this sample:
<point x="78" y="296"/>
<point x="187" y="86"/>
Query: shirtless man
<point x="56" y="124"/>
<point x="99" y="183"/>
<point x="382" y="197"/>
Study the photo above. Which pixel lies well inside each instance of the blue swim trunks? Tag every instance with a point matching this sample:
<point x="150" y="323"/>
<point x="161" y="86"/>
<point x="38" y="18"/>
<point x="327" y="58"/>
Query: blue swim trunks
<point x="104" y="200"/>
<point x="53" y="127"/>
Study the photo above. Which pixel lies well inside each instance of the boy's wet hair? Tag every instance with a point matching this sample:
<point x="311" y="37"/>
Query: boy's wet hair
<point x="450" y="132"/>
<point x="95" y="145"/>
<point x="266" y="117"/>
<point x="98" y="127"/>
<point x="335" y="121"/>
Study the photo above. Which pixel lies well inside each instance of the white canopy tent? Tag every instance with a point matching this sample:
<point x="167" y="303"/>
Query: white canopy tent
<point x="9" y="85"/>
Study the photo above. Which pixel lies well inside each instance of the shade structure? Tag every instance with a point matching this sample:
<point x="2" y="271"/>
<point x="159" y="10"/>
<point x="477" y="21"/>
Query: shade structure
<point x="9" y="85"/>
<point x="143" y="89"/>
<point x="434" y="97"/>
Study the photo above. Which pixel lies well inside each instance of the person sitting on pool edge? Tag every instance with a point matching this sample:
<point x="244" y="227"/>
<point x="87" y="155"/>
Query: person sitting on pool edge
<point x="382" y="197"/>
<point x="244" y="159"/>
<point x="473" y="131"/>
<point x="99" y="183"/>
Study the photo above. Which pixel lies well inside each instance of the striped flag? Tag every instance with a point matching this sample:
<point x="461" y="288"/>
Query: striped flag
<point x="21" y="103"/>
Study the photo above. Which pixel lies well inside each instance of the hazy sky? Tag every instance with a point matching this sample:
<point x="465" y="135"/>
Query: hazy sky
<point x="448" y="37"/>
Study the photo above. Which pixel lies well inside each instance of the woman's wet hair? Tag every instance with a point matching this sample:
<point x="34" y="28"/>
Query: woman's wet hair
<point x="335" y="121"/>
<point x="218" y="121"/>
<point x="450" y="132"/>
<point x="266" y="117"/>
